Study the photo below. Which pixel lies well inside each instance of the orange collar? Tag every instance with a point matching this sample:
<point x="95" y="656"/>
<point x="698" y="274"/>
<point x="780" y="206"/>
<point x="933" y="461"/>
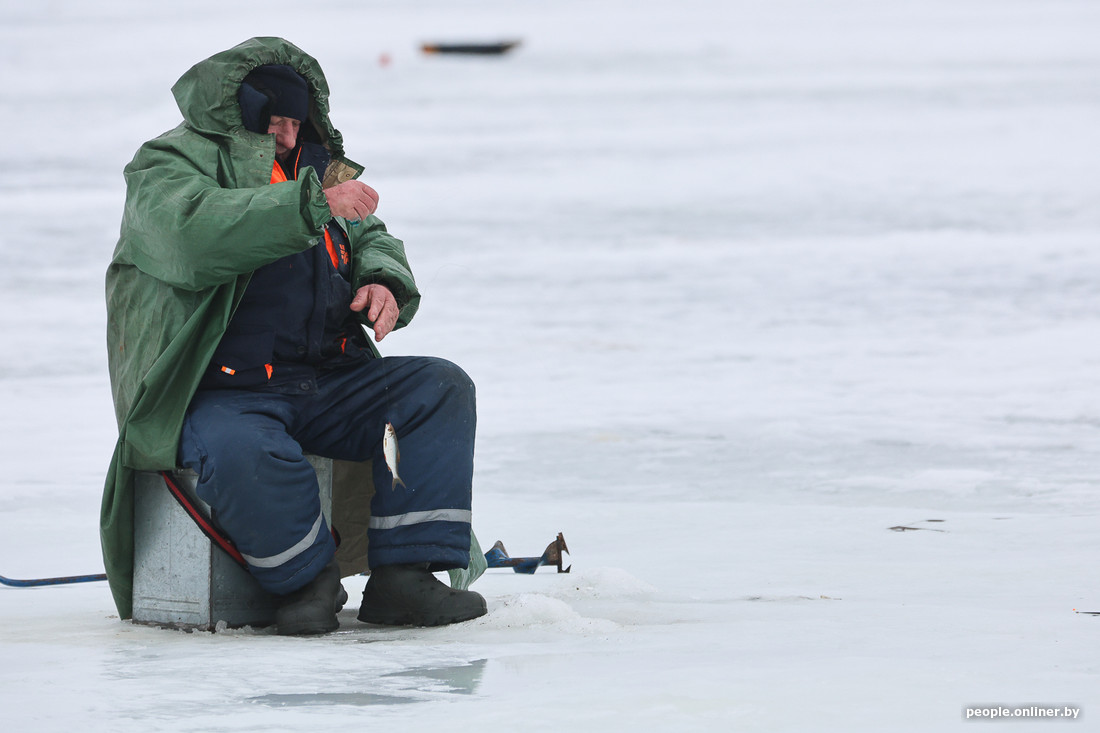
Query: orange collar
<point x="278" y="175"/>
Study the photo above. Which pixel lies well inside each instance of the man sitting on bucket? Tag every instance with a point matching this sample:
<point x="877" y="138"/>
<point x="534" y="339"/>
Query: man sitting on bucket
<point x="249" y="263"/>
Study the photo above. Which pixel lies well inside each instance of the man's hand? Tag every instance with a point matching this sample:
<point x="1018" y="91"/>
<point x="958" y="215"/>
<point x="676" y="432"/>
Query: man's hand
<point x="381" y="307"/>
<point x="352" y="200"/>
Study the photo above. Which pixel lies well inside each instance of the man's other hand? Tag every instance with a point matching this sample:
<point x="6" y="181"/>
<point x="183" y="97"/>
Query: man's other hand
<point x="381" y="307"/>
<point x="352" y="200"/>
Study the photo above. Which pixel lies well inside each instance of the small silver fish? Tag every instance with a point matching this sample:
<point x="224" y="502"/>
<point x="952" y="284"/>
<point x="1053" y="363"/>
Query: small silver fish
<point x="392" y="453"/>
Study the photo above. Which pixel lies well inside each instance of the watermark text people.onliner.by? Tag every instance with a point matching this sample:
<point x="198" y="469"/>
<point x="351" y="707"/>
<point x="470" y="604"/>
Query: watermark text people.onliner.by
<point x="1040" y="711"/>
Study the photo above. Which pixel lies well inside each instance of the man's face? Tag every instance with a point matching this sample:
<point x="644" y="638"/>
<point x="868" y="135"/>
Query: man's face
<point x="285" y="130"/>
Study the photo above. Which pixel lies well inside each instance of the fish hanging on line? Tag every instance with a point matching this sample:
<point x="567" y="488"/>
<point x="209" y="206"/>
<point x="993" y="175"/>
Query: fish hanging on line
<point x="392" y="453"/>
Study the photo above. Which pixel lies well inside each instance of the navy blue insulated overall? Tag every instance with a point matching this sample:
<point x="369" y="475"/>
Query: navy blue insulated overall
<point x="294" y="373"/>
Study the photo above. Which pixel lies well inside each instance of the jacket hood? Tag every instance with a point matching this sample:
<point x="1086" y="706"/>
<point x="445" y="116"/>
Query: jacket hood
<point x="207" y="93"/>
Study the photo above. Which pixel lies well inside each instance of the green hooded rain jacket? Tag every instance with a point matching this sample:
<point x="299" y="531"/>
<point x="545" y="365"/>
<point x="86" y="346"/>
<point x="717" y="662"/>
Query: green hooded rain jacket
<point x="200" y="216"/>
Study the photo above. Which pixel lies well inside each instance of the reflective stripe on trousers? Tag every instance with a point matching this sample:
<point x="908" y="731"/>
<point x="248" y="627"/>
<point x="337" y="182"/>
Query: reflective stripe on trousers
<point x="289" y="554"/>
<point x="411" y="518"/>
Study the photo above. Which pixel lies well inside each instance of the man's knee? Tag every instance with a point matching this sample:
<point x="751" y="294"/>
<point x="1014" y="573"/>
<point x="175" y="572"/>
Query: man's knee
<point x="450" y="378"/>
<point x="255" y="453"/>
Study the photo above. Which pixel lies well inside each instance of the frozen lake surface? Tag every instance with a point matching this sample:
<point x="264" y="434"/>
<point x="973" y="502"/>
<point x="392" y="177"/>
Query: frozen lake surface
<point x="784" y="313"/>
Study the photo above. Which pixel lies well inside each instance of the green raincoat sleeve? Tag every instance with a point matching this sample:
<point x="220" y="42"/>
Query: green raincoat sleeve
<point x="188" y="229"/>
<point x="379" y="257"/>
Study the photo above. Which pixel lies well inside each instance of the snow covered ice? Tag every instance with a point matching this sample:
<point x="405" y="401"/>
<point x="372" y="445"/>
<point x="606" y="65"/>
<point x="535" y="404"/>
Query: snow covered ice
<point x="743" y="286"/>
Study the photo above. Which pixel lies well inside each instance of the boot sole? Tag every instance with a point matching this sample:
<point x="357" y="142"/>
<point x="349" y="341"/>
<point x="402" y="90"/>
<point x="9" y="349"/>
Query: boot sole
<point x="408" y="619"/>
<point x="307" y="628"/>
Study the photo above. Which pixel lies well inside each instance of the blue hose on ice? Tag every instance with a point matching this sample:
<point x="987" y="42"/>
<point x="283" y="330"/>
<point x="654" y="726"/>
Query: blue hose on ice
<point x="32" y="582"/>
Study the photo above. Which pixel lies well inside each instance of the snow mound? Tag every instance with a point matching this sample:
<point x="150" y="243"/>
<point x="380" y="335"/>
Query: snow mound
<point x="604" y="584"/>
<point x="534" y="609"/>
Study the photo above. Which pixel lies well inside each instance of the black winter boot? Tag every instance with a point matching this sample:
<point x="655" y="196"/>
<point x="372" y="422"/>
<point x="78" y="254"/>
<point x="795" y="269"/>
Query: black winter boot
<point x="409" y="595"/>
<point x="312" y="608"/>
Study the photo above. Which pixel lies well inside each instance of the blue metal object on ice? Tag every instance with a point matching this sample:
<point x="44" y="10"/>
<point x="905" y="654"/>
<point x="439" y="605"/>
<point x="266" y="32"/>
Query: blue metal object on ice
<point x="497" y="557"/>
